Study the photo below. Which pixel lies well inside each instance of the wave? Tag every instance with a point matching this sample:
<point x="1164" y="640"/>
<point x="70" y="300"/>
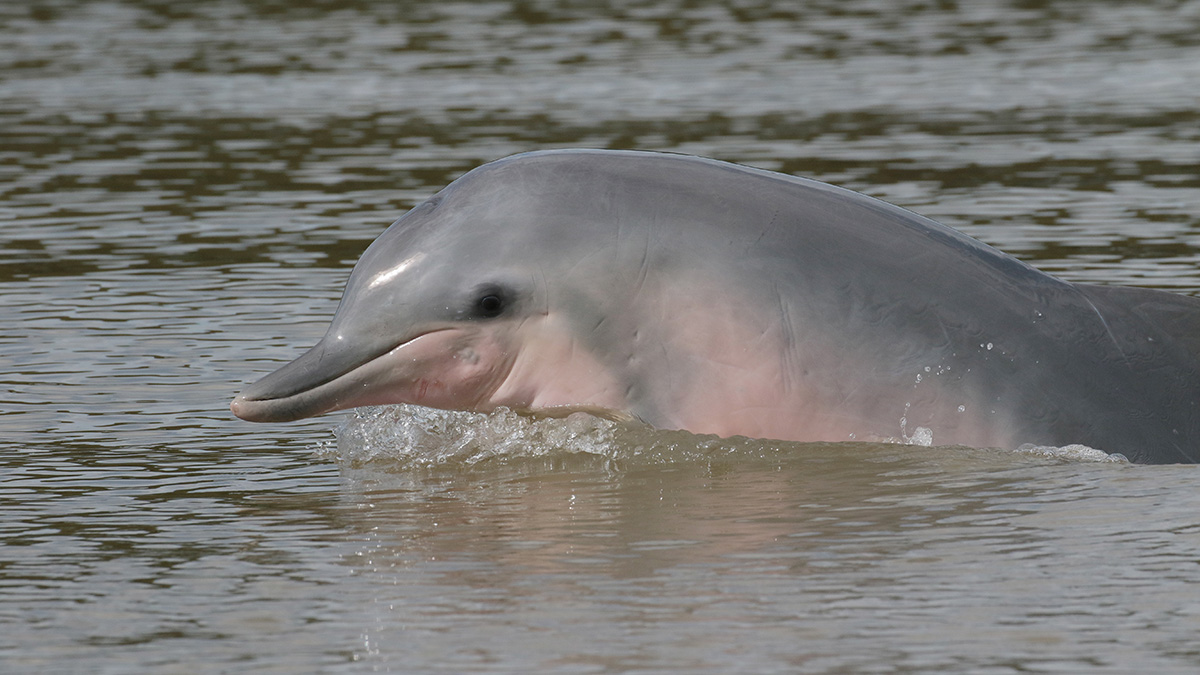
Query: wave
<point x="404" y="438"/>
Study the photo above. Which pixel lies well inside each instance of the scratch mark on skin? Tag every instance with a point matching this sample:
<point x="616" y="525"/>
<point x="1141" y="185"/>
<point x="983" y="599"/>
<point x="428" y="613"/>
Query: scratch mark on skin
<point x="770" y="226"/>
<point x="787" y="365"/>
<point x="1108" y="330"/>
<point x="945" y="333"/>
<point x="643" y="267"/>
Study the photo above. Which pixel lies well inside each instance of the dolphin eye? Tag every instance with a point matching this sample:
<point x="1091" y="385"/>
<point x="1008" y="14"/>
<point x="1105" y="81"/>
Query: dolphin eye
<point x="490" y="303"/>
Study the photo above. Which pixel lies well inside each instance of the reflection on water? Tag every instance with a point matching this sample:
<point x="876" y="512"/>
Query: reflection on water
<point x="832" y="560"/>
<point x="183" y="187"/>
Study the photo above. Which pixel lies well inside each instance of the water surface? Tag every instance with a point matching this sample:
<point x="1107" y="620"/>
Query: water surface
<point x="183" y="188"/>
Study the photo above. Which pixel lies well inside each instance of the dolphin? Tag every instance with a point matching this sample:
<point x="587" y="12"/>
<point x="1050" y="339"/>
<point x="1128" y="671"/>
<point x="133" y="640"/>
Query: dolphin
<point x="715" y="298"/>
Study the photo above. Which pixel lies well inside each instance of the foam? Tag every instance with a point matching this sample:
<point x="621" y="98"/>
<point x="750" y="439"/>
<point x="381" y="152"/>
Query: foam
<point x="406" y="437"/>
<point x="1074" y="452"/>
<point x="424" y="437"/>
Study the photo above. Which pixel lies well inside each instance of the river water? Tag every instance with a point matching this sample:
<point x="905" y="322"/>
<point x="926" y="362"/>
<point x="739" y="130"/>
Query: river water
<point x="184" y="186"/>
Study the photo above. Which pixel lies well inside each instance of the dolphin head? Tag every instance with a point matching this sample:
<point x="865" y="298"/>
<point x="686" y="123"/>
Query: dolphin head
<point x="450" y="308"/>
<point x="620" y="283"/>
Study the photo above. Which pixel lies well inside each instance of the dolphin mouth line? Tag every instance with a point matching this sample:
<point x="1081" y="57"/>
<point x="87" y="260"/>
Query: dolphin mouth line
<point x="300" y="389"/>
<point x="317" y="384"/>
<point x="307" y="387"/>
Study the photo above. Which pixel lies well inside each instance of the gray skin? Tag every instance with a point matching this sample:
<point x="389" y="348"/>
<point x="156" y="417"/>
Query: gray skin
<point x="700" y="295"/>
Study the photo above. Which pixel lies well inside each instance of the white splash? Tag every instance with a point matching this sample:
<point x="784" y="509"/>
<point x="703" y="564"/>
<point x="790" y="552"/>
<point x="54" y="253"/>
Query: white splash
<point x="417" y="436"/>
<point x="920" y="436"/>
<point x="402" y="438"/>
<point x="1075" y="452"/>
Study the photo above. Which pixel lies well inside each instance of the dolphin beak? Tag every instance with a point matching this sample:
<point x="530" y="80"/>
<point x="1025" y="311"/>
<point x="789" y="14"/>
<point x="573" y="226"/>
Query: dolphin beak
<point x="336" y="374"/>
<point x="302" y="388"/>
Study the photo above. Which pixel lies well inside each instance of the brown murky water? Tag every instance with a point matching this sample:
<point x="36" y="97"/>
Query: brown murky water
<point x="183" y="187"/>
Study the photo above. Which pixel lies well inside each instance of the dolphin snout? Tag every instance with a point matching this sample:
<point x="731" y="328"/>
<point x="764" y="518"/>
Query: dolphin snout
<point x="277" y="410"/>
